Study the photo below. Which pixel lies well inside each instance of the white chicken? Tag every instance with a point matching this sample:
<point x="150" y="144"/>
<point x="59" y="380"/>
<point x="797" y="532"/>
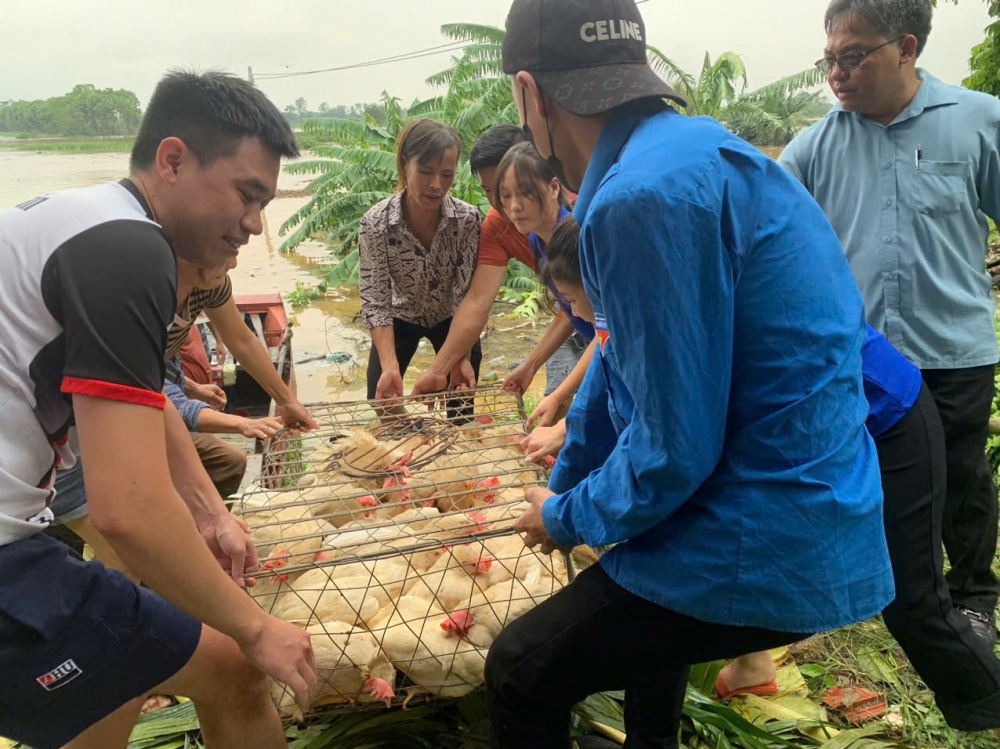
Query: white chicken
<point x="417" y="645"/>
<point x="362" y="452"/>
<point x="289" y="533"/>
<point x="454" y="578"/>
<point x="488" y="614"/>
<point x="341" y="503"/>
<point x="350" y="665"/>
<point x="386" y="577"/>
<point x="316" y="597"/>
<point x="360" y="532"/>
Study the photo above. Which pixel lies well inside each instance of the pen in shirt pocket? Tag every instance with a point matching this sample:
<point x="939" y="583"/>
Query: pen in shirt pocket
<point x="917" y="156"/>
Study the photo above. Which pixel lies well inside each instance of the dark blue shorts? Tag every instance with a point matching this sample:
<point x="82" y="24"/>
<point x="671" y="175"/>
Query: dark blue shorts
<point x="78" y="641"/>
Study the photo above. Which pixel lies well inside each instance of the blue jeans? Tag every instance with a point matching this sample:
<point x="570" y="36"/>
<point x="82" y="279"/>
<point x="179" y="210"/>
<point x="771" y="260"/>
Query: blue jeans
<point x="562" y="362"/>
<point x="70" y="502"/>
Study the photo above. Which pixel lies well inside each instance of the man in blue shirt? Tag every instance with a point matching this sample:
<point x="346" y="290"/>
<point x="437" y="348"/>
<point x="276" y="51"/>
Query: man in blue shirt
<point x="740" y="488"/>
<point x="907" y="169"/>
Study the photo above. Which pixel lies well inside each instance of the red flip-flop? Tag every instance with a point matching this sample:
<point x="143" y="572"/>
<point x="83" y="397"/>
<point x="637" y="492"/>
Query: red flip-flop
<point x="723" y="691"/>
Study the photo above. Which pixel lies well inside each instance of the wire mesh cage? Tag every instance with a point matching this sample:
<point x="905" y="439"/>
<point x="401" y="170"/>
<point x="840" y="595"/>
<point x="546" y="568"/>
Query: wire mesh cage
<point x="388" y="535"/>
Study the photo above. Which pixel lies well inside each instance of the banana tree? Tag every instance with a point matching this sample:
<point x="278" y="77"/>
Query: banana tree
<point x="770" y="115"/>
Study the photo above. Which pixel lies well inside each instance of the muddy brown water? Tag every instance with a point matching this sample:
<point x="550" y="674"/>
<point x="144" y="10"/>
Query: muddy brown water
<point x="327" y="326"/>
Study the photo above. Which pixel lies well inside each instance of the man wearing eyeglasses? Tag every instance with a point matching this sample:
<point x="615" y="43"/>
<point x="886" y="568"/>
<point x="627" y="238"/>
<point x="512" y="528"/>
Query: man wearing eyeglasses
<point x="907" y="169"/>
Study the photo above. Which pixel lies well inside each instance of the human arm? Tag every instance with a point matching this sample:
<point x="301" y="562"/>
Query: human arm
<point x="466" y="327"/>
<point x="375" y="286"/>
<point x="555" y="336"/>
<point x="794" y="158"/>
<point x="211" y="394"/>
<point x="188" y="408"/>
<point x="670" y="343"/>
<point x="251" y="353"/>
<point x="546" y="410"/>
<point x="134" y="505"/>
<point x="226" y="535"/>
<point x="988" y="178"/>
<point x="113" y="293"/>
<point x="544" y="442"/>
<point x="220" y="346"/>
<point x="198" y="417"/>
<point x="213" y="422"/>
<point x="390" y="383"/>
<point x="590" y="434"/>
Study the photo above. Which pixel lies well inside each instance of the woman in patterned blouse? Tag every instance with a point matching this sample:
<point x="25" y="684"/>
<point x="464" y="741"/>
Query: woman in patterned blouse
<point x="417" y="255"/>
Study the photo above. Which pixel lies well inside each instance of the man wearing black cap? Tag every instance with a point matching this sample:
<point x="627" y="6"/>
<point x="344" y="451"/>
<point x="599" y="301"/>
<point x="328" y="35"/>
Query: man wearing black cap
<point x="718" y="441"/>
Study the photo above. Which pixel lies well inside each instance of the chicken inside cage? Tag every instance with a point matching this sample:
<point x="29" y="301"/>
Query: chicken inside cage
<point x="391" y="542"/>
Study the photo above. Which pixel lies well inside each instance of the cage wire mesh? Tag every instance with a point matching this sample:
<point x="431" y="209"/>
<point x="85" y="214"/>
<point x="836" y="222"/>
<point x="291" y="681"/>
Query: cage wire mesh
<point x="388" y="535"/>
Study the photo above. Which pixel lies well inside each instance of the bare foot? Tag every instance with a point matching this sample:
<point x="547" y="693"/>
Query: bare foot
<point x="156" y="702"/>
<point x="755" y="669"/>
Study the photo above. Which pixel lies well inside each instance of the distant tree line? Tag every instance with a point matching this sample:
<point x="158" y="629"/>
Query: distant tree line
<point x="86" y="110"/>
<point x="299" y="111"/>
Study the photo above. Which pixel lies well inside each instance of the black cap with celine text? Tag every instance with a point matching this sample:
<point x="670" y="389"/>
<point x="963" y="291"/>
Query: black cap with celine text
<point x="588" y="55"/>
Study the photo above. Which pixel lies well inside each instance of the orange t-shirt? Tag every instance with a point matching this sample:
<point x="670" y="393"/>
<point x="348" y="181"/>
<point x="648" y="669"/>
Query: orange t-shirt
<point x="499" y="241"/>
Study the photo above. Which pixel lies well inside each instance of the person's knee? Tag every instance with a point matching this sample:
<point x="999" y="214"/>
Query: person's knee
<point x="238" y="461"/>
<point x="221" y="675"/>
<point x="231" y="467"/>
<point x="504" y="655"/>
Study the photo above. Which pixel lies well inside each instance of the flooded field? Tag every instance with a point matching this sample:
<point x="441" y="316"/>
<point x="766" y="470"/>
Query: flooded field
<point x="324" y="328"/>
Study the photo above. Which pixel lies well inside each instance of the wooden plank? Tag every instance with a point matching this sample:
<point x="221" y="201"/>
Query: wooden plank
<point x="259" y="327"/>
<point x="254" y="465"/>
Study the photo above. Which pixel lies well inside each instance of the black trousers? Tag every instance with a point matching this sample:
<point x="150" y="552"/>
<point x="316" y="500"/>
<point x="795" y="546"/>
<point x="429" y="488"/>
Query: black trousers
<point x="595" y="636"/>
<point x="964" y="398"/>
<point x="959" y="667"/>
<point x="406" y="337"/>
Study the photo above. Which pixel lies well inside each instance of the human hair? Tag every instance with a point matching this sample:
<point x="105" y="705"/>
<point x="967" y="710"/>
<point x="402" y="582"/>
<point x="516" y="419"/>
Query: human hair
<point x="891" y="18"/>
<point x="492" y="145"/>
<point x="423" y="140"/>
<point x="531" y="171"/>
<point x="562" y="255"/>
<point x="212" y="113"/>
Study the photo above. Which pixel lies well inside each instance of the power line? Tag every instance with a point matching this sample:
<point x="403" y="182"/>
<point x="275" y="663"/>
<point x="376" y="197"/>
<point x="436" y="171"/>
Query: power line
<point x="440" y="49"/>
<point x="416" y="54"/>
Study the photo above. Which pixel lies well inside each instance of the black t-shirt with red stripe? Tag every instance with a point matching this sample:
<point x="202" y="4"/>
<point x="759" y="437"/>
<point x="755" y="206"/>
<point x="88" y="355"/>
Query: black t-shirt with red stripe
<point x="88" y="281"/>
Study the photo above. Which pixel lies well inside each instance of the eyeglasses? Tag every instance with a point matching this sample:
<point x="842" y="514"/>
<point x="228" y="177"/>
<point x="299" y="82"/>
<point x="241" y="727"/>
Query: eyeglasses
<point x="851" y="60"/>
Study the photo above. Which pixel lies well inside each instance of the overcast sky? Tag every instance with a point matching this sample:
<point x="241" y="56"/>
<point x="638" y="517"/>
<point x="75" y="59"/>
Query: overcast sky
<point x="50" y="45"/>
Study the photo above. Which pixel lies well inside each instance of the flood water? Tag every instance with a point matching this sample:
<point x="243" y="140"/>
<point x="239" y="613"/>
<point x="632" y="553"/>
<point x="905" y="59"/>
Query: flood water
<point x="324" y="328"/>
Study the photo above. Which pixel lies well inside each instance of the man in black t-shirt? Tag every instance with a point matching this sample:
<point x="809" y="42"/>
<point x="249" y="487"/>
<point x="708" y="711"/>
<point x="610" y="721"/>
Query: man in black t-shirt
<point x="89" y="285"/>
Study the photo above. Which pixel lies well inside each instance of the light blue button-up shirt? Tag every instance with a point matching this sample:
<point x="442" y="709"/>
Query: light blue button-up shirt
<point x="915" y="236"/>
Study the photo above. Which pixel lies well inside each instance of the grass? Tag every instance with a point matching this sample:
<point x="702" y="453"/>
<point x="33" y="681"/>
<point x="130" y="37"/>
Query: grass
<point x="866" y="655"/>
<point x="70" y="145"/>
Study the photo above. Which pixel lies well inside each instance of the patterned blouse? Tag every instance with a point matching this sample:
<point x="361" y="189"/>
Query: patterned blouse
<point x="400" y="279"/>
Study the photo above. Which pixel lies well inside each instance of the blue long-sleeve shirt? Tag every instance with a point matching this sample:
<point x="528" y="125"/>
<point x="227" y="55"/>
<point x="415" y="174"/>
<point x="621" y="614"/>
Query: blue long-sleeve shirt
<point x="741" y="487"/>
<point x="173" y="388"/>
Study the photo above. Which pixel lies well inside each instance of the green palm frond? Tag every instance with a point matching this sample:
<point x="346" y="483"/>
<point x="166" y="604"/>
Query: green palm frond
<point x="533" y="303"/>
<point x="681" y="81"/>
<point x="346" y="132"/>
<point x="395" y="115"/>
<point x="367" y="158"/>
<point x="345" y="272"/>
<point x="329" y="215"/>
<point x="721" y="83"/>
<point x="474" y="32"/>
<point x="789" y="84"/>
<point x="313" y="167"/>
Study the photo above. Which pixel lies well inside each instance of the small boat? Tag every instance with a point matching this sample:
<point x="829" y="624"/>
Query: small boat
<point x="266" y="316"/>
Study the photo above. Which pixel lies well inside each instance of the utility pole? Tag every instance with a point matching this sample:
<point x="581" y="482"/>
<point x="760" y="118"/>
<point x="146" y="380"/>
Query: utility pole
<point x="250" y="75"/>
